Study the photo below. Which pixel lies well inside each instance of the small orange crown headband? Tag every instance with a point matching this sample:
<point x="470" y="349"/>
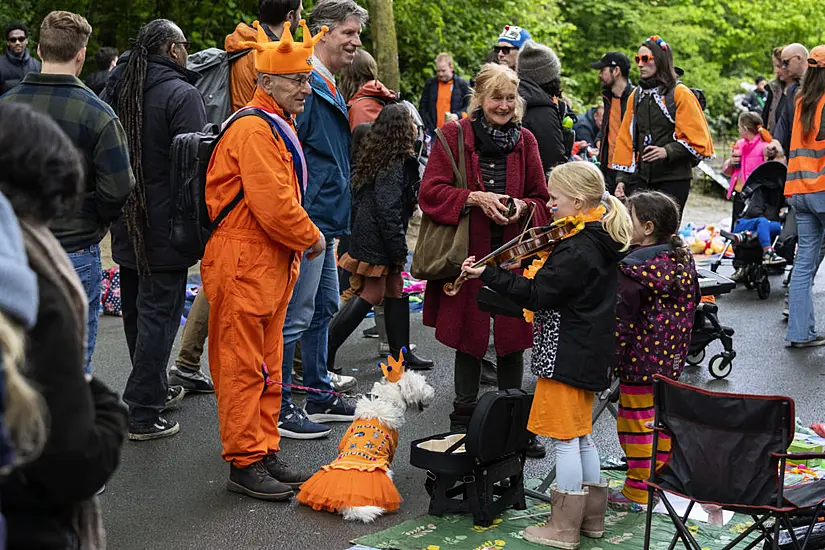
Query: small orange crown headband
<point x="285" y="56"/>
<point x="395" y="370"/>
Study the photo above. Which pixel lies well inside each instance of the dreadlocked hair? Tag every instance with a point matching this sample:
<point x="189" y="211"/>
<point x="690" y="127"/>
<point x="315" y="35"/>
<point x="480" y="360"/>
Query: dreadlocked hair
<point x="390" y="139"/>
<point x="153" y="38"/>
<point x="663" y="212"/>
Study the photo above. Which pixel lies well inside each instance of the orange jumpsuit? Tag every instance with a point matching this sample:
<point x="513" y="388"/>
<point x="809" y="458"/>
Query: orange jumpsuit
<point x="249" y="268"/>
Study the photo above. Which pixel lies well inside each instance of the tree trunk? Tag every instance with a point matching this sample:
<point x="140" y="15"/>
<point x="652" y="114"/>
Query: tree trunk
<point x="382" y="30"/>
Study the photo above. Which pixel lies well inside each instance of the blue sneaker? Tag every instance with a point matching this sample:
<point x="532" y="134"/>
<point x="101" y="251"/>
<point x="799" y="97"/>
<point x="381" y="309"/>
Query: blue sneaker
<point x="335" y="410"/>
<point x="294" y="424"/>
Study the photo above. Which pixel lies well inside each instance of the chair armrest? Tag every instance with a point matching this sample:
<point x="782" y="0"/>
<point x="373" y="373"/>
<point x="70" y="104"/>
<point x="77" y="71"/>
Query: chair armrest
<point x="801" y="456"/>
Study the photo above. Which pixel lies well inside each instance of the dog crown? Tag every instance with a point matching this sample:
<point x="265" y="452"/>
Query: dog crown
<point x="395" y="369"/>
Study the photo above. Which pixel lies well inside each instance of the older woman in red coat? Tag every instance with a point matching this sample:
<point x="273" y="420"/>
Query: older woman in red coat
<point x="502" y="161"/>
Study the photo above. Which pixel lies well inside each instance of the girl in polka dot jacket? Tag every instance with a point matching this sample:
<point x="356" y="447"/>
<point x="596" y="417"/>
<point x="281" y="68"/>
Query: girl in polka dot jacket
<point x="658" y="294"/>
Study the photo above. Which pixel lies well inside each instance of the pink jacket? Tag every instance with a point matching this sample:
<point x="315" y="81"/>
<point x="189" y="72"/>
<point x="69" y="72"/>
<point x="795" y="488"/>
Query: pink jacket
<point x="753" y="154"/>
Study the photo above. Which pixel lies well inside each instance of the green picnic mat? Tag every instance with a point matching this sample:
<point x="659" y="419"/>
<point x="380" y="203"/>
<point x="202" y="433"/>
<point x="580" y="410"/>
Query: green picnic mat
<point x="624" y="530"/>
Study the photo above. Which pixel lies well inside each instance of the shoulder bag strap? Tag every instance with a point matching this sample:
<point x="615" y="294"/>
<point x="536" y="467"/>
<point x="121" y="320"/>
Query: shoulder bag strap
<point x="459" y="173"/>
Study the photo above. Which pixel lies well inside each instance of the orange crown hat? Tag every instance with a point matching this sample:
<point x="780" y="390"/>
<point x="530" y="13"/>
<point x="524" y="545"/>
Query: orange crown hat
<point x="817" y="57"/>
<point x="286" y="56"/>
<point x="395" y="370"/>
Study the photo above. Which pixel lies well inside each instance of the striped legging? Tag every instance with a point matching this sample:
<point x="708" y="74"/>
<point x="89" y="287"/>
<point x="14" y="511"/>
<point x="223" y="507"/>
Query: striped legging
<point x="636" y="439"/>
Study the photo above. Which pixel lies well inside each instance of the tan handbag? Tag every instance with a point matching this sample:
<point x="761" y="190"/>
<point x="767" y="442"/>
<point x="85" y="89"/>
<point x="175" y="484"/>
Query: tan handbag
<point x="441" y="249"/>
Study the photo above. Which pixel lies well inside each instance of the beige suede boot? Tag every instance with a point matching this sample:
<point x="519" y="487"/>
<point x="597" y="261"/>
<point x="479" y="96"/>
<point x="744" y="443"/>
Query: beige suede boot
<point x="562" y="529"/>
<point x="594" y="509"/>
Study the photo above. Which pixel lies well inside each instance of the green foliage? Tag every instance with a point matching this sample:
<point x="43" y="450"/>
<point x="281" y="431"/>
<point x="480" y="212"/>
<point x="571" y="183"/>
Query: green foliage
<point x="719" y="43"/>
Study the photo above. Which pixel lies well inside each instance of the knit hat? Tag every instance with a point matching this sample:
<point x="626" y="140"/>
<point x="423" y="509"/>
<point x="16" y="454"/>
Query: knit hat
<point x="18" y="283"/>
<point x="286" y="56"/>
<point x="538" y="63"/>
<point x="514" y="35"/>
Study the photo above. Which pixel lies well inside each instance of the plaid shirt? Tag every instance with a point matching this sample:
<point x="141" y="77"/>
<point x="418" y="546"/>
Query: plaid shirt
<point x="95" y="129"/>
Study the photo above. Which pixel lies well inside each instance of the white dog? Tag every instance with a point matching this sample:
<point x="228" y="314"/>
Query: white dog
<point x="358" y="483"/>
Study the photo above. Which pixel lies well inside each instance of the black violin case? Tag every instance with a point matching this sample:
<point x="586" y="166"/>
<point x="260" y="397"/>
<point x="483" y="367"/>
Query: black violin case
<point x="480" y="472"/>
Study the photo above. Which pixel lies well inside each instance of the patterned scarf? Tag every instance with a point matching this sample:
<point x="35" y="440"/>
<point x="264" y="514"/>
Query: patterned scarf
<point x="505" y="137"/>
<point x="579" y="221"/>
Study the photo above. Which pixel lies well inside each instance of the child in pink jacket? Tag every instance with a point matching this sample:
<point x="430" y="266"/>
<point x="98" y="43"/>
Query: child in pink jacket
<point x="748" y="152"/>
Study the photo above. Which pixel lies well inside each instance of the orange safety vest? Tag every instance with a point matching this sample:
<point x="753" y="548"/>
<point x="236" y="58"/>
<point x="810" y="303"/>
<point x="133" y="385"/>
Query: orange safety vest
<point x="806" y="161"/>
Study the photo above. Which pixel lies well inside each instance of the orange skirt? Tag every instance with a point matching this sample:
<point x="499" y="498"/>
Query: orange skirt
<point x="332" y="490"/>
<point x="561" y="411"/>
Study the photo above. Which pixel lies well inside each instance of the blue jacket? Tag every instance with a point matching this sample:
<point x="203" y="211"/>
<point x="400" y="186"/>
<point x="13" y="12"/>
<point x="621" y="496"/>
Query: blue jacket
<point x="324" y="131"/>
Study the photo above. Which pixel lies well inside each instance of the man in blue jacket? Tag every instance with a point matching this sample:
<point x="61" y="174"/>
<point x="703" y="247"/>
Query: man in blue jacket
<point x="324" y="131"/>
<point x="16" y="62"/>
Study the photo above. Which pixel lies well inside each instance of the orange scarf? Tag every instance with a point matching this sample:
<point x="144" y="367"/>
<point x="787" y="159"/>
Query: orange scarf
<point x="593" y="215"/>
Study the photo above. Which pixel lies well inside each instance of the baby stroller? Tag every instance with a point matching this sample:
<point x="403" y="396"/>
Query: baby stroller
<point x="763" y="195"/>
<point x="707" y="328"/>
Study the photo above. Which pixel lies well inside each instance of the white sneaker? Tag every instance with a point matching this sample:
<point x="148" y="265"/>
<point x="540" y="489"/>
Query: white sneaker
<point x="342" y="383"/>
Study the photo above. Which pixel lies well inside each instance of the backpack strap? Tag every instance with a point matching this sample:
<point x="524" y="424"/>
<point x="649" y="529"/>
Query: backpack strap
<point x="239" y="197"/>
<point x="670" y="101"/>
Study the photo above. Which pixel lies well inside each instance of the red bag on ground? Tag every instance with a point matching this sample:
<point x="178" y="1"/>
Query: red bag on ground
<point x="819" y="429"/>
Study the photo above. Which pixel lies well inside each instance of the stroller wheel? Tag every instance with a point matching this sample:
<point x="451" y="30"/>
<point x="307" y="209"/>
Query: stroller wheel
<point x="696" y="358"/>
<point x="763" y="288"/>
<point x="720" y="366"/>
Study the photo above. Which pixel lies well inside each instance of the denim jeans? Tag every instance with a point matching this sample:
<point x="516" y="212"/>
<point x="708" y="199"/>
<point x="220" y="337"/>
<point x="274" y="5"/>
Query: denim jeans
<point x="577" y="461"/>
<point x="810" y="223"/>
<point x="766" y="230"/>
<point x="152" y="307"/>
<point x="314" y="303"/>
<point x="86" y="262"/>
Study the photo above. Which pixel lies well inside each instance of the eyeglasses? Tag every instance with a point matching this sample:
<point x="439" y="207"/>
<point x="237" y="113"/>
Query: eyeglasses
<point x="186" y="45"/>
<point x="504" y="49"/>
<point x="16" y="39"/>
<point x="643" y="58"/>
<point x="301" y="80"/>
<point x="787" y="62"/>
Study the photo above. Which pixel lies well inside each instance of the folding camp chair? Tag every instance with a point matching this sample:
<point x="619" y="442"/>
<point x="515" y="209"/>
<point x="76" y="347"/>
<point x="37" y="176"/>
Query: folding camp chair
<point x="730" y="450"/>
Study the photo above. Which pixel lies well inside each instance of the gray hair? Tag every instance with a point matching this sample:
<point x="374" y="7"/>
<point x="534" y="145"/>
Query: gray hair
<point x="334" y="12"/>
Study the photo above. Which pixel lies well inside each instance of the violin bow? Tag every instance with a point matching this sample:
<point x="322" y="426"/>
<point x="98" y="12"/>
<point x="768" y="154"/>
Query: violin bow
<point x="526" y="225"/>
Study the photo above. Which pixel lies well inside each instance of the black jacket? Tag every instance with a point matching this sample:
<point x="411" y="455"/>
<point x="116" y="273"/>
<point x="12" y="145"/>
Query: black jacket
<point x="604" y="151"/>
<point x="784" y="118"/>
<point x="87" y="423"/>
<point x="171" y="106"/>
<point x="459" y="102"/>
<point x="380" y="212"/>
<point x="579" y="281"/>
<point x="97" y="81"/>
<point x="756" y="101"/>
<point x="12" y="69"/>
<point x="586" y="129"/>
<point x="542" y="118"/>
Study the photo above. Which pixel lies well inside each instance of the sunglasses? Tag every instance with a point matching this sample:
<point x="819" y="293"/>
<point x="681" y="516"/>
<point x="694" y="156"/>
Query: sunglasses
<point x="504" y="49"/>
<point x="301" y="80"/>
<point x="16" y="39"/>
<point x="643" y="59"/>
<point x="787" y="62"/>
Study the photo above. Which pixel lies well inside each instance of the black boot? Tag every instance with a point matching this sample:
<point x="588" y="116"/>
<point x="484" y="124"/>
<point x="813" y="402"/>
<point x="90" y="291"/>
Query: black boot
<point x="397" y="321"/>
<point x="256" y="482"/>
<point x="534" y="448"/>
<point x="460" y="417"/>
<point x="281" y="471"/>
<point x="489" y="373"/>
<point x="342" y="325"/>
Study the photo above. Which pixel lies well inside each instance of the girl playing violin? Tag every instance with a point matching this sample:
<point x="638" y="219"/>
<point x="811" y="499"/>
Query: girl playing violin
<point x="571" y="297"/>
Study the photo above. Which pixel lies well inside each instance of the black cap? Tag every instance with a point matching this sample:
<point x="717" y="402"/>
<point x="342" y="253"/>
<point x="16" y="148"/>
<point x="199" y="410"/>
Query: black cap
<point x="613" y="59"/>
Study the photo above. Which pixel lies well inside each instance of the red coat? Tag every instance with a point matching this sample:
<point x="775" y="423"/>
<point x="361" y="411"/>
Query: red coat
<point x="458" y="322"/>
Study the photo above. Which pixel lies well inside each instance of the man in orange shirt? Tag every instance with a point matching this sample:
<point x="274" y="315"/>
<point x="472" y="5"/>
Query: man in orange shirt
<point x="444" y="95"/>
<point x="252" y="261"/>
<point x="614" y="69"/>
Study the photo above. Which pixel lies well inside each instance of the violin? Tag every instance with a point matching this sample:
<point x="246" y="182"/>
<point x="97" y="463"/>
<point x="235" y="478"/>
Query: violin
<point x="529" y="243"/>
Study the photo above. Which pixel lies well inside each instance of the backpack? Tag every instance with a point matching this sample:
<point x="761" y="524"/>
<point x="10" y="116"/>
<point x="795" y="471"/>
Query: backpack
<point x="190" y="226"/>
<point x="214" y="65"/>
<point x="670" y="103"/>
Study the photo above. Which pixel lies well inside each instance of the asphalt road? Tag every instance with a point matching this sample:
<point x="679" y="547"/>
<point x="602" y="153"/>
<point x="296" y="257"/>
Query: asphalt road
<point x="169" y="494"/>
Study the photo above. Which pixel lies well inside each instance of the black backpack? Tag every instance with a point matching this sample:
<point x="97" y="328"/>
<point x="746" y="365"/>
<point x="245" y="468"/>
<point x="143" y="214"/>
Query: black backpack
<point x="190" y="226"/>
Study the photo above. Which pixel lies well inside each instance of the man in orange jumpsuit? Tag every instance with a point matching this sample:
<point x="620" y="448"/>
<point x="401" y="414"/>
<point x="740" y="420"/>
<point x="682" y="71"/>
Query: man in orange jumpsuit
<point x="252" y="262"/>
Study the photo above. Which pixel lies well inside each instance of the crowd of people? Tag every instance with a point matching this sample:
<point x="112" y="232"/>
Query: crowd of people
<point x="315" y="178"/>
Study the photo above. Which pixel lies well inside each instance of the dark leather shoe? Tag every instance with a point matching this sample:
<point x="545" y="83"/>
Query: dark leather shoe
<point x="535" y="449"/>
<point x="254" y="481"/>
<point x="281" y="471"/>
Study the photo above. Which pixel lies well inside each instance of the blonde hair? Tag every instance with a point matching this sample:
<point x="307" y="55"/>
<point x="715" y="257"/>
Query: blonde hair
<point x="493" y="78"/>
<point x="24" y="416"/>
<point x="583" y="181"/>
<point x="444" y="58"/>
